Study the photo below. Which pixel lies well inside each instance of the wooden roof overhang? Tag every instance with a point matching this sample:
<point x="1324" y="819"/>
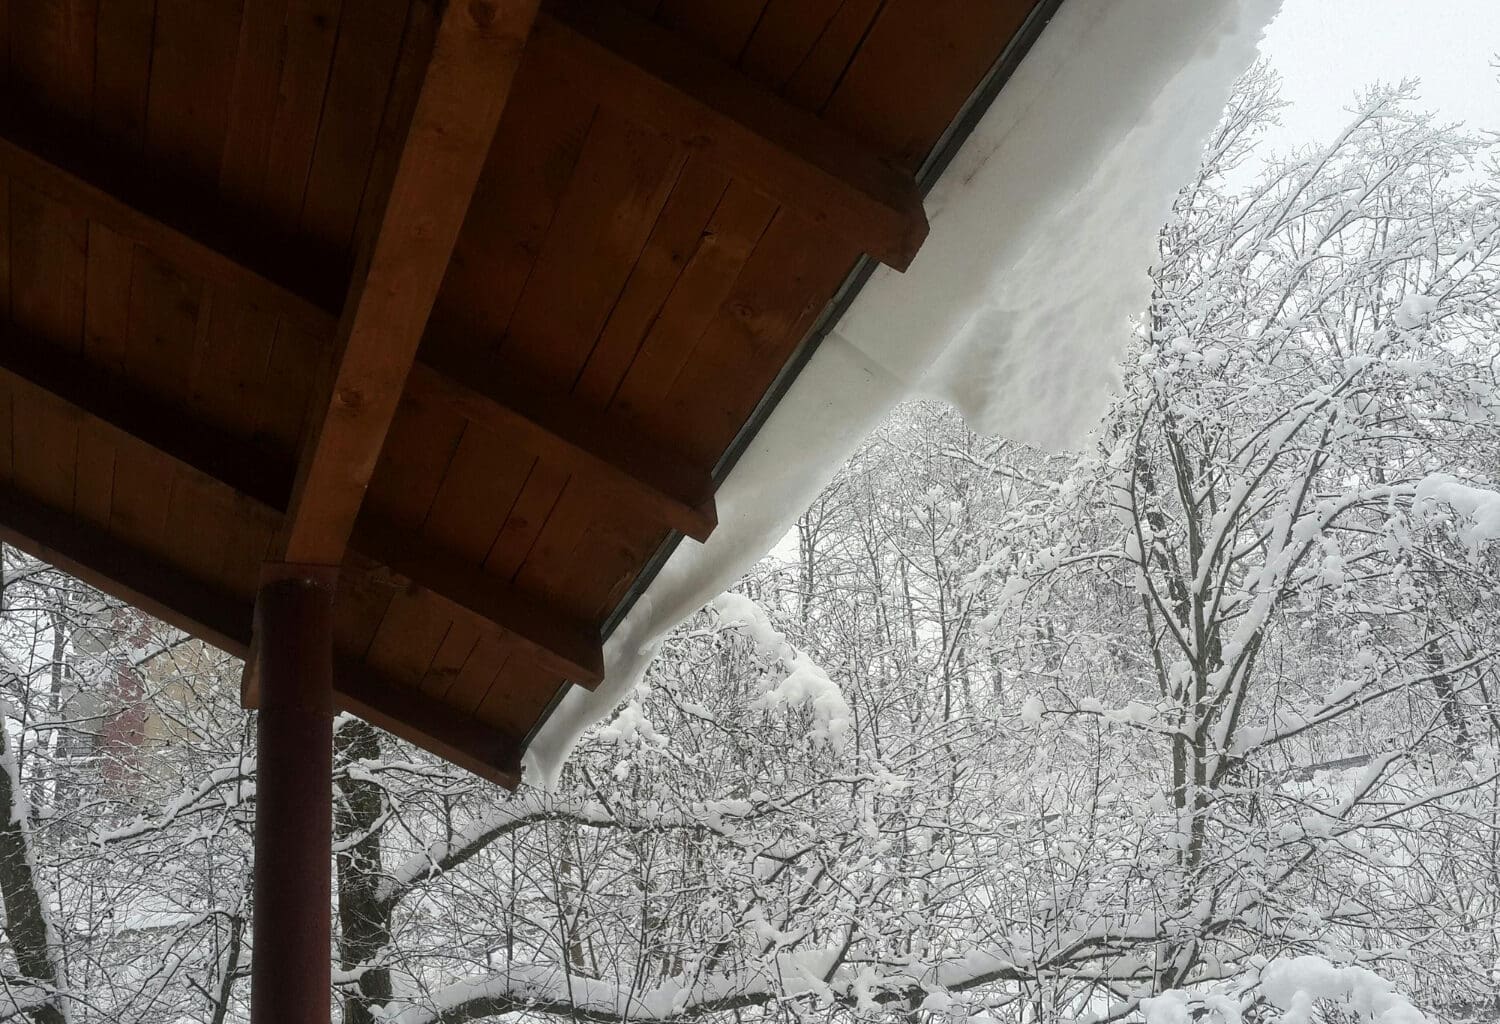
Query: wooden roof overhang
<point x="469" y="300"/>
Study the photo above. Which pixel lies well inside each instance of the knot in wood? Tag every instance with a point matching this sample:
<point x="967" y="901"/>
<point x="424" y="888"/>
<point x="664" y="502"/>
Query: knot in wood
<point x="483" y="12"/>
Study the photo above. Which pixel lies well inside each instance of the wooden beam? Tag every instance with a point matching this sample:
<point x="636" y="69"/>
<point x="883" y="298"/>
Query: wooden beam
<point x="128" y="573"/>
<point x="566" y="645"/>
<point x="192" y="234"/>
<point x="476" y="50"/>
<point x="796" y="157"/>
<point x="262" y="480"/>
<point x="434" y="727"/>
<point x="586" y="442"/>
<point x="224" y="621"/>
<point x="255" y="472"/>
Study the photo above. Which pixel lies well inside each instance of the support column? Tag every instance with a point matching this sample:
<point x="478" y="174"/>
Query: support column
<point x="289" y="976"/>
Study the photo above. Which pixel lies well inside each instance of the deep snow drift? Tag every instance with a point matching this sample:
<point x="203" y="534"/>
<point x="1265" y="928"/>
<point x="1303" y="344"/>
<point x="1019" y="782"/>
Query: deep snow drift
<point x="1015" y="310"/>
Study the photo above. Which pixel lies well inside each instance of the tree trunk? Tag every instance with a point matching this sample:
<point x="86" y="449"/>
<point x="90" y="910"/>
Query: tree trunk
<point x="25" y="914"/>
<point x="364" y="919"/>
<point x="25" y="910"/>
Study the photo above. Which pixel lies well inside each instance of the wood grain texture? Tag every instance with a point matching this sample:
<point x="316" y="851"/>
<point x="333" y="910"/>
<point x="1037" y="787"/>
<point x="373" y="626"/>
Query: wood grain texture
<point x="177" y="227"/>
<point x="122" y="70"/>
<point x="574" y="436"/>
<point x="831" y="177"/>
<point x="193" y="48"/>
<point x="946" y="45"/>
<point x="568" y="646"/>
<point x="474" y="57"/>
<point x="369" y="44"/>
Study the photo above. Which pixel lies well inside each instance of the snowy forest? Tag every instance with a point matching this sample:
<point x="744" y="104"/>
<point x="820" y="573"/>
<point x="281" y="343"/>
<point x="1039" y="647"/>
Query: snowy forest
<point x="1200" y="722"/>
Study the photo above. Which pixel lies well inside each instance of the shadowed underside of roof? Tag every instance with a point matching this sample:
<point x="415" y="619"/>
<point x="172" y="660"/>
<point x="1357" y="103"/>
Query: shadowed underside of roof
<point x="467" y="299"/>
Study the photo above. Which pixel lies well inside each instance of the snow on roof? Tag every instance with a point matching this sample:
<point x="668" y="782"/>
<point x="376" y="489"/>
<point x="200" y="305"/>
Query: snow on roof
<point x="1016" y="308"/>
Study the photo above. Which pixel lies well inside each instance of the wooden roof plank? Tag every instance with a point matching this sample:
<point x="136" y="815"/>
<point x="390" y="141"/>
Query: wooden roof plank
<point x="707" y="284"/>
<point x="422" y="442"/>
<point x="48" y="267"/>
<point x="369" y="46"/>
<point x="723" y="28"/>
<point x="7" y="423"/>
<point x="94" y="482"/>
<point x="45" y="444"/>
<point x="800" y="160"/>
<point x="489" y="659"/>
<point x="519" y="695"/>
<point x="229" y="387"/>
<point x="483" y="478"/>
<point x="292" y="366"/>
<point x="785" y="37"/>
<point x="309" y="34"/>
<point x="106" y="312"/>
<point x="51" y="55"/>
<point x="449" y="660"/>
<point x="534" y="156"/>
<point x="751" y="335"/>
<point x="122" y="69"/>
<point x="582" y="557"/>
<point x="410" y="633"/>
<point x="5" y="193"/>
<point x="818" y="72"/>
<point x="523" y="526"/>
<point x="677" y="234"/>
<point x="252" y="102"/>
<point x="140" y="496"/>
<point x="166" y="306"/>
<point x="193" y="47"/>
<point x="475" y="54"/>
<point x="622" y="179"/>
<point x="873" y="97"/>
<point x="201" y="519"/>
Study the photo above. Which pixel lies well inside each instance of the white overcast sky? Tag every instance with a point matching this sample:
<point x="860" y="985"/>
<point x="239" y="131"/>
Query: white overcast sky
<point x="1326" y="50"/>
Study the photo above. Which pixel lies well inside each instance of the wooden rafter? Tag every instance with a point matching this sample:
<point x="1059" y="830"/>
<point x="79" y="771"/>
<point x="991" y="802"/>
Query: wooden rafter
<point x="475" y="53"/>
<point x="134" y="576"/>
<point x="468" y="743"/>
<point x="589" y="443"/>
<point x="261" y="482"/>
<point x="223" y="620"/>
<point x="261" y="475"/>
<point x="793" y="155"/>
<point x="567" y="645"/>
<point x="186" y="232"/>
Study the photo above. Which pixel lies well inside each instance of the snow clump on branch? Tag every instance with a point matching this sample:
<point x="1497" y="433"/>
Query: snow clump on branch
<point x="805" y="682"/>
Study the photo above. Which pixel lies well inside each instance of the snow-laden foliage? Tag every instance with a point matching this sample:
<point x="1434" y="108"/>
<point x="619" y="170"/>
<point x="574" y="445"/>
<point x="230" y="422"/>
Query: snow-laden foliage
<point x="1197" y="725"/>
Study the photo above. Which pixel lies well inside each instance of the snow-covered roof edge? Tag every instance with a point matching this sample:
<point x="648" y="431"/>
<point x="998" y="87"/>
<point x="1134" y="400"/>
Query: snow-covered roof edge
<point x="1015" y="310"/>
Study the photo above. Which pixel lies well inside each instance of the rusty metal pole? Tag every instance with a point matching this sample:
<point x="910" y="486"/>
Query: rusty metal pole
<point x="289" y="976"/>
